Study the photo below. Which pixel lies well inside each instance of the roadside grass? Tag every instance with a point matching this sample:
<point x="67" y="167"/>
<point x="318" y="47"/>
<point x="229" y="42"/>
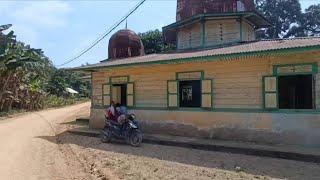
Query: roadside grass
<point x="50" y="102"/>
<point x="12" y="112"/>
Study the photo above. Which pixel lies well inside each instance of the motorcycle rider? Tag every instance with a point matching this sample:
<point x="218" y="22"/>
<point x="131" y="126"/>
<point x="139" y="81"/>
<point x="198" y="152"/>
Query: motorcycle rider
<point x="111" y="112"/>
<point x="120" y="125"/>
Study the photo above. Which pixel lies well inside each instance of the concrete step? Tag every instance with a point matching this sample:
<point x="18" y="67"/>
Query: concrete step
<point x="85" y="131"/>
<point x="304" y="154"/>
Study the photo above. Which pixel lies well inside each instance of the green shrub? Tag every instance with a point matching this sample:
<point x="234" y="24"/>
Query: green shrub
<point x="55" y="101"/>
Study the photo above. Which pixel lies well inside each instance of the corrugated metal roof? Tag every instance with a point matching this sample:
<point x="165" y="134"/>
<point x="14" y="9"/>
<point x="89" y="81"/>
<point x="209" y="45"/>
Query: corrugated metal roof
<point x="258" y="47"/>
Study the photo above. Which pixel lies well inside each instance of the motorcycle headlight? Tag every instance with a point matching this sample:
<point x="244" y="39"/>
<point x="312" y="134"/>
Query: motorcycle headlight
<point x="132" y="125"/>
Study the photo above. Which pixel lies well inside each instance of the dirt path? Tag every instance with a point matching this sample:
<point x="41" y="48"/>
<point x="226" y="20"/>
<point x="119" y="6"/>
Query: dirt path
<point x="25" y="152"/>
<point x="157" y="162"/>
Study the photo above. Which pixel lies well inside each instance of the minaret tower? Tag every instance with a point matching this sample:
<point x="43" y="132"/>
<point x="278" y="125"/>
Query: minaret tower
<point x="212" y="23"/>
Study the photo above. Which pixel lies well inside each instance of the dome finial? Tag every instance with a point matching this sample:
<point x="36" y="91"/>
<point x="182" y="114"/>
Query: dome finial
<point x="126" y="24"/>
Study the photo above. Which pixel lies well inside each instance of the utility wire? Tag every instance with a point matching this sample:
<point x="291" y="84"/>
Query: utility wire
<point x="105" y="34"/>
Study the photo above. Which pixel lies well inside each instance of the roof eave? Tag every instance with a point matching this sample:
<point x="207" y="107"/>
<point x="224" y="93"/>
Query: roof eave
<point x="83" y="69"/>
<point x="209" y="57"/>
<point x="200" y="17"/>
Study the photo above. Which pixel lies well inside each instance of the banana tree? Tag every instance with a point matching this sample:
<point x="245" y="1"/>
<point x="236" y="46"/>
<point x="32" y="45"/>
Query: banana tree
<point x="18" y="64"/>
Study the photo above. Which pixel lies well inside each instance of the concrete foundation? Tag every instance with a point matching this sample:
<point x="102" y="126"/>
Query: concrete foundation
<point x="270" y="128"/>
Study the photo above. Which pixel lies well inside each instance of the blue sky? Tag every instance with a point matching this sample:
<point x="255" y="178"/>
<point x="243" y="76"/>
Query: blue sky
<point x="64" y="28"/>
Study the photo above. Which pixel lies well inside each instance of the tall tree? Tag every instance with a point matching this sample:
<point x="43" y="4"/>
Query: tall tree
<point x="28" y="76"/>
<point x="311" y="20"/>
<point x="285" y="15"/>
<point x="153" y="42"/>
<point x="22" y="72"/>
<point x="60" y="79"/>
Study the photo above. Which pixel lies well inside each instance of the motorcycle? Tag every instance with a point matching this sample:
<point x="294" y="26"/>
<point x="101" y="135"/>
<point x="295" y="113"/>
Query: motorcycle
<point x="129" y="131"/>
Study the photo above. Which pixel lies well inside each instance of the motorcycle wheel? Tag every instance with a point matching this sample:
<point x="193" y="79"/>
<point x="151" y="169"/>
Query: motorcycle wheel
<point x="105" y="136"/>
<point x="135" y="138"/>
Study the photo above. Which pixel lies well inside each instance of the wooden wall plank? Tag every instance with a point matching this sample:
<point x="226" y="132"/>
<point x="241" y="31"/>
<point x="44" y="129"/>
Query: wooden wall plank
<point x="236" y="83"/>
<point x="222" y="31"/>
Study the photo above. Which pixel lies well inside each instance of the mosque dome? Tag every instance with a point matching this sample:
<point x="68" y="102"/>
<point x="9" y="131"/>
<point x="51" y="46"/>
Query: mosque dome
<point x="125" y="43"/>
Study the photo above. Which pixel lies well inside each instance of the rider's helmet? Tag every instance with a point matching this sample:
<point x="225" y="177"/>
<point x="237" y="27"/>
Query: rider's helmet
<point x="131" y="117"/>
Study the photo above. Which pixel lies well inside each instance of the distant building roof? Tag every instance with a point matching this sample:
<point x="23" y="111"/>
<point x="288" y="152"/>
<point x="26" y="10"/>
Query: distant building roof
<point x="71" y="91"/>
<point x="265" y="47"/>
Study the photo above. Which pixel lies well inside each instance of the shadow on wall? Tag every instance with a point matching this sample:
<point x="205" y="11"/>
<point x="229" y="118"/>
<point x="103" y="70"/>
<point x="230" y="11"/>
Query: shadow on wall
<point x="265" y="128"/>
<point x="276" y="168"/>
<point x="259" y="136"/>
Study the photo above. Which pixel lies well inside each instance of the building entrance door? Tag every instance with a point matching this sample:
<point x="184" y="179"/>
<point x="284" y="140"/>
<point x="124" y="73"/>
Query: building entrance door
<point x="119" y="94"/>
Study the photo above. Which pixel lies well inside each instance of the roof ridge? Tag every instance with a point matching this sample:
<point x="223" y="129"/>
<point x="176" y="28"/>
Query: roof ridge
<point x="264" y="47"/>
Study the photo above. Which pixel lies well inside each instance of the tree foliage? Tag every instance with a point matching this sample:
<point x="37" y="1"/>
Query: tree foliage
<point x="60" y="79"/>
<point x="311" y="20"/>
<point x="153" y="42"/>
<point x="285" y="16"/>
<point x="288" y="20"/>
<point x="27" y="75"/>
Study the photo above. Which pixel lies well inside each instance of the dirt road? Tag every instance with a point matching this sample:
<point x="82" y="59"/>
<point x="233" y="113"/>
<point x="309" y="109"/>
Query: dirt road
<point x="25" y="154"/>
<point x="117" y="160"/>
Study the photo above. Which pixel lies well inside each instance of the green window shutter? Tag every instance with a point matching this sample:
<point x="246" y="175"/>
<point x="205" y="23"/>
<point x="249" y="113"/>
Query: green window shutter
<point x="106" y="94"/>
<point x="206" y="93"/>
<point x="130" y="94"/>
<point x="172" y="97"/>
<point x="270" y="92"/>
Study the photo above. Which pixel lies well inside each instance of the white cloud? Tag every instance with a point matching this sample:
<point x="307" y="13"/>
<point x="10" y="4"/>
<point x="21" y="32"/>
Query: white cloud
<point x="31" y="18"/>
<point x="46" y="14"/>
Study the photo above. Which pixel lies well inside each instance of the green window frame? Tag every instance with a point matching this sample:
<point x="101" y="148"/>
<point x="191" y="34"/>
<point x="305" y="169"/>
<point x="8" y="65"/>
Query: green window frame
<point x="121" y="79"/>
<point x="206" y="96"/>
<point x="295" y="69"/>
<point x="271" y="96"/>
<point x="200" y="74"/>
<point x="114" y="80"/>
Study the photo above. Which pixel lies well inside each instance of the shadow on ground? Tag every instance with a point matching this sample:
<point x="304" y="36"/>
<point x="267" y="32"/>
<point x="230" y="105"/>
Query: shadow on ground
<point x="78" y="123"/>
<point x="276" y="168"/>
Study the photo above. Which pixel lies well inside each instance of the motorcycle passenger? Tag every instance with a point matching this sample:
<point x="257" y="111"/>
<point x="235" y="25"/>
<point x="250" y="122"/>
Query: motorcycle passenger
<point x="122" y="112"/>
<point x="111" y="112"/>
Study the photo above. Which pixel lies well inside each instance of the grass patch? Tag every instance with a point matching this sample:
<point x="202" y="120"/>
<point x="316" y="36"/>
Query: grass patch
<point x="50" y="101"/>
<point x="11" y="112"/>
<point x="54" y="101"/>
